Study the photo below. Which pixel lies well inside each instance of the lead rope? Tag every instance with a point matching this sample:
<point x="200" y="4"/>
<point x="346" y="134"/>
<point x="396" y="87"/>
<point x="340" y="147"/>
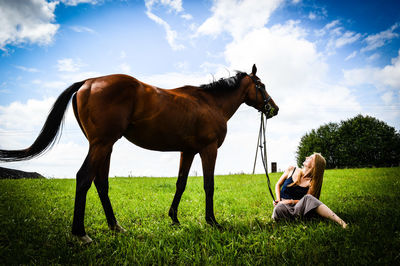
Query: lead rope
<point x="261" y="143"/>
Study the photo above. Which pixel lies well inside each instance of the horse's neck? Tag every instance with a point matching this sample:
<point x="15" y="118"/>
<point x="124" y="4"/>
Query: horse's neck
<point x="228" y="102"/>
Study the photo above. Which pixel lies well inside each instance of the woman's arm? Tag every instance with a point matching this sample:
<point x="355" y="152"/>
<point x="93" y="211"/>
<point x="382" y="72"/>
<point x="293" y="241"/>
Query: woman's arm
<point x="280" y="182"/>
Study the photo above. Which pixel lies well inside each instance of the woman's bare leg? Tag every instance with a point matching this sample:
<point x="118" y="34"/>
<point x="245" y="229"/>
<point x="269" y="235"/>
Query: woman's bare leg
<point x="325" y="212"/>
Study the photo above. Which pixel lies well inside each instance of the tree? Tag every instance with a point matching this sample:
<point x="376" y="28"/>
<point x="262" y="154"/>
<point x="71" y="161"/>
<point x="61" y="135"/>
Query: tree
<point x="357" y="142"/>
<point x="322" y="140"/>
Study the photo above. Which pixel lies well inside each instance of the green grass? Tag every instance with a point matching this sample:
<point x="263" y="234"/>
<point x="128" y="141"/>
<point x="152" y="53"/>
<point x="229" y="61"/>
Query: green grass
<point x="36" y="215"/>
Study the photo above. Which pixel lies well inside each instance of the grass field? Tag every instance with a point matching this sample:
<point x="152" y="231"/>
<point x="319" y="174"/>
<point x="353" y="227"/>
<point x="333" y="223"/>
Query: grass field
<point x="36" y="215"/>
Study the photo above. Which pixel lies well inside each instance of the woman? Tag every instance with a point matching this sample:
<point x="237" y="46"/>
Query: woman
<point x="298" y="191"/>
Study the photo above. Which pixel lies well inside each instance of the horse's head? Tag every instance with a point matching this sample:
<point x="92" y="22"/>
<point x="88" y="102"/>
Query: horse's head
<point x="258" y="97"/>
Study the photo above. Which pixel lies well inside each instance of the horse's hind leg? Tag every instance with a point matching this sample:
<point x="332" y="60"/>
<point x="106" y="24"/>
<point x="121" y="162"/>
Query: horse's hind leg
<point x="184" y="167"/>
<point x="84" y="179"/>
<point x="92" y="168"/>
<point x="101" y="183"/>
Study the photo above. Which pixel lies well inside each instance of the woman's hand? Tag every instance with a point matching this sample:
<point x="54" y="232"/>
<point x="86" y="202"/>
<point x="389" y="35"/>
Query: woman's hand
<point x="275" y="202"/>
<point x="288" y="201"/>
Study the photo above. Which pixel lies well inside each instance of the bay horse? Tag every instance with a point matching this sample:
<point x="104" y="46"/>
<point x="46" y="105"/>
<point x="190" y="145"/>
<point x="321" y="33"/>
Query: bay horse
<point x="189" y="119"/>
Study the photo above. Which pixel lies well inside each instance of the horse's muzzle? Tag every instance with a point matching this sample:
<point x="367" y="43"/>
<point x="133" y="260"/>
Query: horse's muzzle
<point x="271" y="111"/>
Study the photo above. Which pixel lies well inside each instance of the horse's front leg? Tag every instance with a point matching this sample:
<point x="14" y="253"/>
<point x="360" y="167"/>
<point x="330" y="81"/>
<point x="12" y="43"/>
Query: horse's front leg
<point x="208" y="158"/>
<point x="184" y="167"/>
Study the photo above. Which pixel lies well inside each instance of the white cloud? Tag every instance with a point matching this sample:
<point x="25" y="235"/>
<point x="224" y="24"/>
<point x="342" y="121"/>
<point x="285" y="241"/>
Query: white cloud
<point x="77" y="2"/>
<point x="373" y="57"/>
<point x="12" y="117"/>
<point x="32" y="21"/>
<point x="347" y="38"/>
<point x="71" y="77"/>
<point x="27" y="69"/>
<point x="69" y="65"/>
<point x="172" y="5"/>
<point x="27" y="21"/>
<point x="380" y="39"/>
<point x="122" y="55"/>
<point x="187" y="16"/>
<point x="312" y="16"/>
<point x="388" y="76"/>
<point x="183" y="66"/>
<point x="352" y="55"/>
<point x="387" y="97"/>
<point x="125" y="68"/>
<point x="359" y="76"/>
<point x="337" y="37"/>
<point x="332" y="24"/>
<point x="237" y="17"/>
<point x="208" y="67"/>
<point x="3" y="89"/>
<point x="51" y="87"/>
<point x="83" y="29"/>
<point x="171" y="34"/>
<point x="54" y="85"/>
<point x="317" y="13"/>
<point x="387" y="82"/>
<point x="281" y="51"/>
<point x="327" y="28"/>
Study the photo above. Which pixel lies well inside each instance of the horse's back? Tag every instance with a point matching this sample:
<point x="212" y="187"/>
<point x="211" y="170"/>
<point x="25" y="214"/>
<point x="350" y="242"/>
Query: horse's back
<point x="110" y="87"/>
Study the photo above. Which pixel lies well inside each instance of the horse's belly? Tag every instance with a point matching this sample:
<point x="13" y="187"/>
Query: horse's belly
<point x="158" y="140"/>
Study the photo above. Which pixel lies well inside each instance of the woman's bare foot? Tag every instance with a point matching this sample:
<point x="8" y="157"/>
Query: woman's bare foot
<point x="343" y="224"/>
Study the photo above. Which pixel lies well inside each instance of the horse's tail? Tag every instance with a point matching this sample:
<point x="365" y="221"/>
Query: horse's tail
<point x="50" y="131"/>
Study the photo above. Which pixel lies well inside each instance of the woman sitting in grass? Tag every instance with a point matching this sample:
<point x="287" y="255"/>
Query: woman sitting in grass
<point x="298" y="191"/>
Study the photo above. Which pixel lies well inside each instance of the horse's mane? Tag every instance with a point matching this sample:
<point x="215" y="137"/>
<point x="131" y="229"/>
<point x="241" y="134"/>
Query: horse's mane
<point x="230" y="83"/>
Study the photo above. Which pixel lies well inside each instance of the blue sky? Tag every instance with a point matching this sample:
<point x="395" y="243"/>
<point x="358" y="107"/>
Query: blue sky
<point x="322" y="61"/>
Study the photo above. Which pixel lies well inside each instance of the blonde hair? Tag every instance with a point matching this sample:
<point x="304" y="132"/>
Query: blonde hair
<point x="316" y="174"/>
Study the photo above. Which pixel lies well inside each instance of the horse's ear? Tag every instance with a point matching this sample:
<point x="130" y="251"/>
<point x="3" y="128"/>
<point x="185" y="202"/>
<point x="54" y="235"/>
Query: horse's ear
<point x="254" y="70"/>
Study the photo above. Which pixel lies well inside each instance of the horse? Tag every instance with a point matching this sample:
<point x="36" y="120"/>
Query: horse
<point x="191" y="120"/>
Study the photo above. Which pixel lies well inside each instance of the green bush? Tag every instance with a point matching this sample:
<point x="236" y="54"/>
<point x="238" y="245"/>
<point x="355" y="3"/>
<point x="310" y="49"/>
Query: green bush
<point x="362" y="141"/>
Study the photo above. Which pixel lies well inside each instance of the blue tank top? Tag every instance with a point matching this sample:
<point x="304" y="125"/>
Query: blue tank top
<point x="295" y="192"/>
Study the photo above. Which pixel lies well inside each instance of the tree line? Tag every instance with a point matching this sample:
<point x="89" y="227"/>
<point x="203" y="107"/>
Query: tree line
<point x="361" y="141"/>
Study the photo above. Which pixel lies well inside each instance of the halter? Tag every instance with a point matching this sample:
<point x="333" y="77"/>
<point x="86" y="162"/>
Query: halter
<point x="261" y="143"/>
<point x="261" y="88"/>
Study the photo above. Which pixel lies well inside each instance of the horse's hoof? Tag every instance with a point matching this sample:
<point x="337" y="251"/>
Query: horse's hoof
<point x="174" y="217"/>
<point x="214" y="223"/>
<point x="175" y="223"/>
<point x="217" y="225"/>
<point x="117" y="228"/>
<point x="84" y="240"/>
